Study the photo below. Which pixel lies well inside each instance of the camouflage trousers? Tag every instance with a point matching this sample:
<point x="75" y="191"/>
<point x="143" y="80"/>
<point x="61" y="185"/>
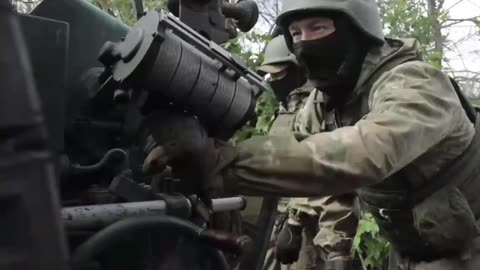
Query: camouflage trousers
<point x="309" y="257"/>
<point x="469" y="260"/>
<point x="332" y="235"/>
<point x="337" y="224"/>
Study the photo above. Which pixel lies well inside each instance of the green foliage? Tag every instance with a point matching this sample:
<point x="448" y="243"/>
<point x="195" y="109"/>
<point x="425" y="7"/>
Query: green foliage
<point x="475" y="101"/>
<point x="409" y="19"/>
<point x="250" y="47"/>
<point x="476" y="22"/>
<point x="266" y="108"/>
<point x="435" y="59"/>
<point x="371" y="247"/>
<point x="124" y="9"/>
<point x="406" y="18"/>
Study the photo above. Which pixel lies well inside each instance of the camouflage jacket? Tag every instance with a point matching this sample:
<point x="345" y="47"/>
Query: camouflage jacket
<point x="413" y="119"/>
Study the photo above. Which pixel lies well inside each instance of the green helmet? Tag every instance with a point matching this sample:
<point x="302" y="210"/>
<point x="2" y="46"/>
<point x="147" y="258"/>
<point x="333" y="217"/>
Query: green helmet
<point x="363" y="13"/>
<point x="277" y="56"/>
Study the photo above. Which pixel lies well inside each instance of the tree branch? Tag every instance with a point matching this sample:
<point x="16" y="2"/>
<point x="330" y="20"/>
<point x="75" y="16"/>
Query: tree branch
<point x="475" y="20"/>
<point x="452" y="6"/>
<point x="28" y="2"/>
<point x="433" y="11"/>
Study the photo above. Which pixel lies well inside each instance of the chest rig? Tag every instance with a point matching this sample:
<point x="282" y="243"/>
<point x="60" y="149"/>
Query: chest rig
<point x="288" y="111"/>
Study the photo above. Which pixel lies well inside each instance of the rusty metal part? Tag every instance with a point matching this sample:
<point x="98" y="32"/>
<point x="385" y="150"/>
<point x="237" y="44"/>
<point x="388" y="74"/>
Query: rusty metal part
<point x="237" y="244"/>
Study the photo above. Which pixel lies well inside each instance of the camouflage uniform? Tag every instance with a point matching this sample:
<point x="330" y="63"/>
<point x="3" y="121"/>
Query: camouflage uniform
<point x="279" y="59"/>
<point x="309" y="257"/>
<point x="337" y="225"/>
<point x="400" y="121"/>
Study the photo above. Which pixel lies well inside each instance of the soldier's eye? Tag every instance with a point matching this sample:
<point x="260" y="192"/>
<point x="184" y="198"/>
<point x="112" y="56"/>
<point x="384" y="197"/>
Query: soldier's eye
<point x="319" y="28"/>
<point x="295" y="33"/>
<point x="294" y="30"/>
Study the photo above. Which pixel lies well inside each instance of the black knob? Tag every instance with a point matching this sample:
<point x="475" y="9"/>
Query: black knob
<point x="244" y="12"/>
<point x="109" y="53"/>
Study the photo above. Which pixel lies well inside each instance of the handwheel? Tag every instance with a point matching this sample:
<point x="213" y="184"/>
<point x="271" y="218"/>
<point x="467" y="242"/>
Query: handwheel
<point x="86" y="254"/>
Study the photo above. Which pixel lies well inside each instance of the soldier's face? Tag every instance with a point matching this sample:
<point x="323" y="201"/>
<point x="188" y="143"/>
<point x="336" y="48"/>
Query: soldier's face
<point x="278" y="75"/>
<point x="311" y="28"/>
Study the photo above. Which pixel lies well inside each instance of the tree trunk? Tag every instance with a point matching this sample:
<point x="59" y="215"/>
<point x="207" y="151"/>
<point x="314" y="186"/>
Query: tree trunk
<point x="433" y="9"/>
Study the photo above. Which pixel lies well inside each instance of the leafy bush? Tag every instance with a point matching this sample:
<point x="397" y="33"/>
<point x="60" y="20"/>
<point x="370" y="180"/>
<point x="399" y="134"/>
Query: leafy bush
<point x="372" y="248"/>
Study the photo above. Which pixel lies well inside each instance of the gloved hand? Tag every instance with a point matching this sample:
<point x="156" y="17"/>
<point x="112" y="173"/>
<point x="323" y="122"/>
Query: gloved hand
<point x="174" y="138"/>
<point x="178" y="140"/>
<point x="289" y="243"/>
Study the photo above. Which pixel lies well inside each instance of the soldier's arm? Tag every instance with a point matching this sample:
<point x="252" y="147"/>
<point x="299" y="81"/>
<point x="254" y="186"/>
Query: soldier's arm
<point x="302" y="205"/>
<point x="413" y="107"/>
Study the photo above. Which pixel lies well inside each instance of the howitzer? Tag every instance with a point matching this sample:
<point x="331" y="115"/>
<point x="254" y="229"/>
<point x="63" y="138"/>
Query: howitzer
<point x="93" y="115"/>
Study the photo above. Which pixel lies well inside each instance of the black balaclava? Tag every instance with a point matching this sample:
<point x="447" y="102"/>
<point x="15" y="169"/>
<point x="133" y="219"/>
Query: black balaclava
<point x="293" y="79"/>
<point x="333" y="63"/>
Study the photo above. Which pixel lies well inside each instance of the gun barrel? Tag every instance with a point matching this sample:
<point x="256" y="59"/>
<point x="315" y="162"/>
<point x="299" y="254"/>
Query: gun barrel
<point x="95" y="216"/>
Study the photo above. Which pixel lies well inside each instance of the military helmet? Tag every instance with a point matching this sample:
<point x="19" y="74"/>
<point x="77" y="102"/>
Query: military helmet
<point x="277" y="56"/>
<point x="363" y="13"/>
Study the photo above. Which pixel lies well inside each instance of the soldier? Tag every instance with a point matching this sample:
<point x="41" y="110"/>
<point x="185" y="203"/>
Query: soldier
<point x="405" y="137"/>
<point x="286" y="80"/>
<point x="294" y="237"/>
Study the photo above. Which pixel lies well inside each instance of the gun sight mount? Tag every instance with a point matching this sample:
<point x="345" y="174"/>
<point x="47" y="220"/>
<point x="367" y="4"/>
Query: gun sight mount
<point x="168" y="58"/>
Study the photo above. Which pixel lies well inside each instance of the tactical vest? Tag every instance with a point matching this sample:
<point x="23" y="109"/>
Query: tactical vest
<point x="423" y="219"/>
<point x="285" y="118"/>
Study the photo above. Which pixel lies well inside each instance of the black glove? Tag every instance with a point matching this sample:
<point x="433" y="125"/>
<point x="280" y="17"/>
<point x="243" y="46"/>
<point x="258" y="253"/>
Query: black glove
<point x="174" y="138"/>
<point x="289" y="243"/>
<point x="179" y="140"/>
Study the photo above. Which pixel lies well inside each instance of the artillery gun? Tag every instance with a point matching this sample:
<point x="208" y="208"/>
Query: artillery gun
<point x="77" y="88"/>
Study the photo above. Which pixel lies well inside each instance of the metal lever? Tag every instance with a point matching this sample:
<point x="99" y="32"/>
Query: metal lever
<point x="237" y="244"/>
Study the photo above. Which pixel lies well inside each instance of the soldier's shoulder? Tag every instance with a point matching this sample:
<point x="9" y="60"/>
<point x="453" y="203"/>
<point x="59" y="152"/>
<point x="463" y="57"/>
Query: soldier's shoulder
<point x="414" y="70"/>
<point x="415" y="74"/>
<point x="304" y="89"/>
